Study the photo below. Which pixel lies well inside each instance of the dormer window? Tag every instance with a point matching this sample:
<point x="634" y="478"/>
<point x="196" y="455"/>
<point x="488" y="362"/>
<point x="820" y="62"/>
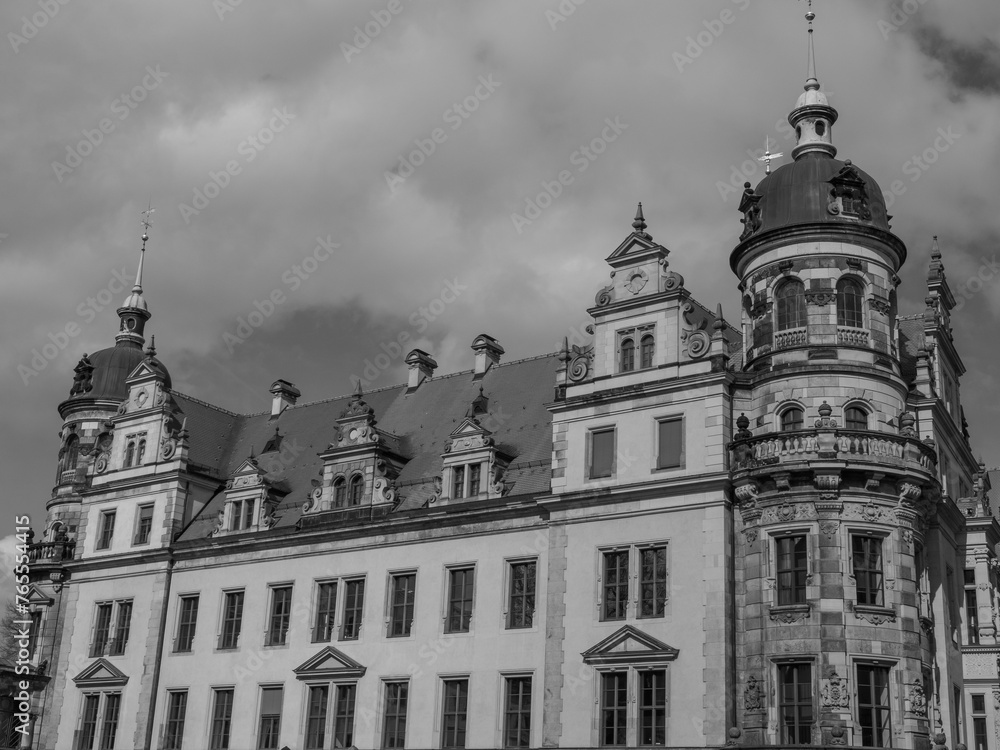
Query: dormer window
<point x="458" y="482"/>
<point x="635" y="343"/>
<point x="627" y="355"/>
<point x="646" y="352"/>
<point x="339" y="492"/>
<point x="791" y="305"/>
<point x="472" y="467"/>
<point x="135" y="450"/>
<point x="129" y="454"/>
<point x="241" y="514"/>
<point x="356" y="490"/>
<point x="849" y="296"/>
<point x="466" y="480"/>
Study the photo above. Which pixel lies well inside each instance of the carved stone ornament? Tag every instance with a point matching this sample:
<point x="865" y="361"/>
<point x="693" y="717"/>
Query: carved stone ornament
<point x="747" y="494"/>
<point x="876" y="616"/>
<point x="750" y="535"/>
<point x="580" y="363"/>
<point x="312" y="504"/>
<point x="827" y="481"/>
<point x="909" y="493"/>
<point x="874" y="481"/>
<point x="834" y="693"/>
<point x="753" y="697"/>
<point x="267" y="516"/>
<point x="829" y="528"/>
<point x="783" y="481"/>
<point x="636" y="280"/>
<point x="141" y="397"/>
<point x="879" y="305"/>
<point x="916" y="700"/>
<point x="789" y="615"/>
<point x="220" y="521"/>
<point x="604" y="296"/>
<point x="694" y="339"/>
<point x="672" y="280"/>
<point x="123" y="407"/>
<point x="821" y="297"/>
<point x="82" y="378"/>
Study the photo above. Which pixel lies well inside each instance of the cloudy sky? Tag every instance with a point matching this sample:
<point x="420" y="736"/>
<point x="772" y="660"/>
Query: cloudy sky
<point x="330" y="176"/>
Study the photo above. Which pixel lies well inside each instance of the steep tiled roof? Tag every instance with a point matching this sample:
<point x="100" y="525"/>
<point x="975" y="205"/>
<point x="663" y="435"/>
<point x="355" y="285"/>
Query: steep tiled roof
<point x="521" y="425"/>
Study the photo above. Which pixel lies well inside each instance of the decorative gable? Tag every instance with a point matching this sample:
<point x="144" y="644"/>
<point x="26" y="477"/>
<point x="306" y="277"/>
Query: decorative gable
<point x="101" y="673"/>
<point x="472" y="467"/>
<point x="849" y="196"/>
<point x="330" y="663"/>
<point x="629" y="645"/>
<point x="37" y="598"/>
<point x="251" y="500"/>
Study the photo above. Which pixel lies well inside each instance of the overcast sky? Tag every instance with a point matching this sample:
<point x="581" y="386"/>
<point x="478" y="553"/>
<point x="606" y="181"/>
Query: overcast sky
<point x="311" y="116"/>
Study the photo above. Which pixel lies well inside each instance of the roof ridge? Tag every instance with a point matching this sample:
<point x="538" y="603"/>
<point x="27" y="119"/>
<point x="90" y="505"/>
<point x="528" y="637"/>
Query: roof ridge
<point x="205" y="403"/>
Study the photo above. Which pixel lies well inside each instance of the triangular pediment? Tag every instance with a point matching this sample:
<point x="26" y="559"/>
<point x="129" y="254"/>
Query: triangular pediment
<point x="143" y="370"/>
<point x="468" y="427"/>
<point x="35" y="596"/>
<point x="634" y="247"/>
<point x="329" y="663"/>
<point x="100" y="673"/>
<point x="627" y="646"/>
<point x="249" y="467"/>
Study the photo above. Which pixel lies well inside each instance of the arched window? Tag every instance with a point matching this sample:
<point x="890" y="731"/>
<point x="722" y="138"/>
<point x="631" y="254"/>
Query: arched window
<point x="849" y="296"/>
<point x="357" y="487"/>
<point x="792" y="419"/>
<point x="129" y="454"/>
<point x="141" y="453"/>
<point x="72" y="453"/>
<point x="855" y="418"/>
<point x="627" y="355"/>
<point x="646" y="351"/>
<point x="339" y="492"/>
<point x="791" y="298"/>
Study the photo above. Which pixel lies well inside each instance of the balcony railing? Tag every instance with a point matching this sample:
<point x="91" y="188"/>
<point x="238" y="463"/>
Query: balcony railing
<point x="793" y="337"/>
<point x="852" y="336"/>
<point x="51" y="551"/>
<point x="801" y="445"/>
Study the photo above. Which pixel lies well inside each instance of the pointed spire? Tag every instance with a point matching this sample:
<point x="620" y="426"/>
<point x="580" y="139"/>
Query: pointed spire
<point x="134" y="311"/>
<point x="720" y="322"/>
<point x="151" y="349"/>
<point x="358" y="390"/>
<point x="811" y="81"/>
<point x="813" y="117"/>
<point x="639" y="224"/>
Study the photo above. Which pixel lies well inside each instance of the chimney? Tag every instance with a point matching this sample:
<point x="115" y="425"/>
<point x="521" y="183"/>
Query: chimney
<point x="422" y="367"/>
<point x="488" y="351"/>
<point x="285" y="395"/>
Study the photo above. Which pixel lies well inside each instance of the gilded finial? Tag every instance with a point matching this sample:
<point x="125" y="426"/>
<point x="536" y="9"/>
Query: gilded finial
<point x="639" y="224"/>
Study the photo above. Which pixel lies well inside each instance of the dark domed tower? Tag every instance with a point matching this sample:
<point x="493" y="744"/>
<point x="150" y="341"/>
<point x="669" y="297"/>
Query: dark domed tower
<point x="833" y="487"/>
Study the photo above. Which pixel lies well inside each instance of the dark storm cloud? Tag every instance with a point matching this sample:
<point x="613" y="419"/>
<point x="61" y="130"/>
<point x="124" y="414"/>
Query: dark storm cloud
<point x="969" y="67"/>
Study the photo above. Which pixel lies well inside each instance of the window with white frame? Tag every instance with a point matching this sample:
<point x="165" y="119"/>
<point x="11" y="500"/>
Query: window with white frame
<point x="521" y="586"/>
<point x="454" y="712"/>
<point x="232" y="619"/>
<point x="330" y="720"/>
<point x="242" y="514"/>
<point x="339" y="609"/>
<point x="173" y="728"/>
<point x="402" y="592"/>
<point x="222" y="718"/>
<point x="867" y="564"/>
<point x="636" y="348"/>
<point x="281" y="615"/>
<point x="187" y="621"/>
<point x="106" y="529"/>
<point x="269" y="727"/>
<point x="112" y="622"/>
<point x="633" y="581"/>
<point x="874" y="706"/>
<point x="99" y="720"/>
<point x="461" y="583"/>
<point x="517" y="710"/>
<point x="796" y="702"/>
<point x="143" y="524"/>
<point x="466" y="480"/>
<point x="632" y="705"/>
<point x="394" y="710"/>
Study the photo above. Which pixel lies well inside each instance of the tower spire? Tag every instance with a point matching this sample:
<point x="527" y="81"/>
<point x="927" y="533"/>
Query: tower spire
<point x="134" y="312"/>
<point x="811" y="80"/>
<point x="813" y="117"/>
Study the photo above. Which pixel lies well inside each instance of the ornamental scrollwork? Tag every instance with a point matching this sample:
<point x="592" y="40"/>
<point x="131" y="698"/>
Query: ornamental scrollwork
<point x="604" y="296"/>
<point x="834" y="693"/>
<point x="916" y="700"/>
<point x="753" y="698"/>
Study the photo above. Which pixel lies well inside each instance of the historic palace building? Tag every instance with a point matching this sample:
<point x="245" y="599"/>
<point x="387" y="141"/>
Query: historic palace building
<point x="688" y="532"/>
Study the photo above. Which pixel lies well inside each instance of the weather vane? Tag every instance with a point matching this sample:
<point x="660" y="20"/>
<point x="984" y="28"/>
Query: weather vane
<point x="766" y="158"/>
<point x="146" y="223"/>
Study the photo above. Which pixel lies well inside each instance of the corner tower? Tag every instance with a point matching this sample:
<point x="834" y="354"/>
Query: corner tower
<point x="833" y="488"/>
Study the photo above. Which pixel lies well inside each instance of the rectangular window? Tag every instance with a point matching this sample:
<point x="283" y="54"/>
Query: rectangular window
<point x="458" y="482"/>
<point x="354" y="603"/>
<point x="474" y="473"/>
<point x="867" y="560"/>
<point x="795" y="703"/>
<point x="792" y="569"/>
<point x="979" y="722"/>
<point x="122" y="624"/>
<point x="873" y="705"/>
<point x="653" y="581"/>
<point x="521" y="608"/>
<point x="270" y="718"/>
<point x="403" y="593"/>
<point x="670" y="443"/>
<point x="173" y="734"/>
<point x="88" y="727"/>
<point x="143" y="525"/>
<point x="33" y="634"/>
<point x="971" y="609"/>
<point x="222" y="719"/>
<point x="281" y="616"/>
<point x="517" y="713"/>
<point x="232" y="620"/>
<point x="653" y="707"/>
<point x="460" y="590"/>
<point x="614" y="708"/>
<point x="454" y="716"/>
<point x="102" y="629"/>
<point x="326" y="608"/>
<point x="602" y="453"/>
<point x="343" y="730"/>
<point x="615" y="586"/>
<point x="394" y="728"/>
<point x="109" y="727"/>
<point x="316" y="718"/>
<point x="187" y="621"/>
<point x="107" y="529"/>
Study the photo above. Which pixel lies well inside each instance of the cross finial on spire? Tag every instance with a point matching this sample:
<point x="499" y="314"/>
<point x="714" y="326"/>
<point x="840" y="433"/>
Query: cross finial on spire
<point x="146" y="222"/>
<point x="639" y="224"/>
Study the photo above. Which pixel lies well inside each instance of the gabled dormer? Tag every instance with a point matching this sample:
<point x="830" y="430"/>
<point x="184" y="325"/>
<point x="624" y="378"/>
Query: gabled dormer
<point x="251" y="501"/>
<point x="472" y="467"/>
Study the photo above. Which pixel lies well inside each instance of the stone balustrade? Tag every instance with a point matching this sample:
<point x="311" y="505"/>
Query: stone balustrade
<point x="849" y="445"/>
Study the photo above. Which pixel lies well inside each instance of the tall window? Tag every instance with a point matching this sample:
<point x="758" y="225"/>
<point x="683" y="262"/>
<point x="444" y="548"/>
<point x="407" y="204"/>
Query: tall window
<point x="107" y="531"/>
<point x="873" y="705"/>
<point x="653" y="707"/>
<point x="108" y="640"/>
<point x="855" y="418"/>
<point x="652" y="581"/>
<point x="792" y="419"/>
<point x="232" y="620"/>
<point x="521" y="604"/>
<point x="971" y="608"/>
<point x="670" y="443"/>
<point x="316" y="717"/>
<point x="460" y="590"/>
<point x="123" y="619"/>
<point x="173" y="733"/>
<point x="33" y="634"/>
<point x="849" y="297"/>
<point x="241" y="514"/>
<point x="614" y="708"/>
<point x="627" y="355"/>
<point x="394" y="726"/>
<point x="474" y="473"/>
<point x="281" y="615"/>
<point x="326" y="607"/>
<point x="791" y="305"/>
<point x="99" y="723"/>
<point x="353" y="609"/>
<point x="140" y="452"/>
<point x="615" y="585"/>
<point x="517" y="713"/>
<point x="102" y="629"/>
<point x="454" y="716"/>
<point x="646" y="347"/>
<point x="270" y="718"/>
<point x="458" y="482"/>
<point x="792" y="569"/>
<point x="129" y="454"/>
<point x="88" y="726"/>
<point x="144" y="524"/>
<point x="979" y="722"/>
<point x="357" y="489"/>
<point x="403" y="595"/>
<point x="222" y="719"/>
<point x="602" y="453"/>
<point x="343" y="723"/>
<point x="339" y="492"/>
<point x="72" y="453"/>
<point x="795" y="703"/>
<point x="867" y="560"/>
<point x="187" y="621"/>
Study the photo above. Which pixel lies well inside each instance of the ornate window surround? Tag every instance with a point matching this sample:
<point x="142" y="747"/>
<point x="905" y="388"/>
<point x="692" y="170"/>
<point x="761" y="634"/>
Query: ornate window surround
<point x="636" y="334"/>
<point x="789" y="613"/>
